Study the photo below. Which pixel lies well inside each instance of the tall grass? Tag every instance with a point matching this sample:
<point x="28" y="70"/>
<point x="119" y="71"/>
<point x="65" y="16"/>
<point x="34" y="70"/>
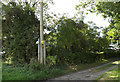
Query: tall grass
<point x="11" y="72"/>
<point x="23" y="73"/>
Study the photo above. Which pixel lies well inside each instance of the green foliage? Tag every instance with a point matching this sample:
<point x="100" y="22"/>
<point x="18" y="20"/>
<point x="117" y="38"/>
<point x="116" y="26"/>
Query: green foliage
<point x="108" y="10"/>
<point x="71" y="41"/>
<point x="51" y="61"/>
<point x="110" y="34"/>
<point x="20" y="32"/>
<point x="76" y="42"/>
<point x="108" y="53"/>
<point x="35" y="65"/>
<point x="113" y="13"/>
<point x="110" y="75"/>
<point x="23" y="73"/>
<point x="111" y="10"/>
<point x="9" y="72"/>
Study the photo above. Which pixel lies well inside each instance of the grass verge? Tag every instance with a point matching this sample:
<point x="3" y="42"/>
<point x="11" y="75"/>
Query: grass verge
<point x="106" y="66"/>
<point x="110" y="75"/>
<point x="75" y="68"/>
<point x="113" y="74"/>
<point x="23" y="73"/>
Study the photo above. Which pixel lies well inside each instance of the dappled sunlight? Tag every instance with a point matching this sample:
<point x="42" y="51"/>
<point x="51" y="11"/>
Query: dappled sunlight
<point x="116" y="62"/>
<point x="114" y="76"/>
<point x="73" y="67"/>
<point x="8" y="60"/>
<point x="100" y="52"/>
<point x="110" y="75"/>
<point x="104" y="60"/>
<point x="108" y="72"/>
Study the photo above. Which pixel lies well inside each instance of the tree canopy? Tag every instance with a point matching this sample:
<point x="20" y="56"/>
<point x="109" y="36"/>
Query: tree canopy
<point x="108" y="10"/>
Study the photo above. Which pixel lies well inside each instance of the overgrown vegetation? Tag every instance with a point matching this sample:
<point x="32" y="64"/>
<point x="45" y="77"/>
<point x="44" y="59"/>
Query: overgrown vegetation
<point x="71" y="41"/>
<point x="19" y="34"/>
<point x="12" y="72"/>
<point x="23" y="73"/>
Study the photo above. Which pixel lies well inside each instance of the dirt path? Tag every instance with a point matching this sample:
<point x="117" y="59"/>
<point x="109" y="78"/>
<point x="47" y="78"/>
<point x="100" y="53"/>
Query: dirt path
<point x="86" y="74"/>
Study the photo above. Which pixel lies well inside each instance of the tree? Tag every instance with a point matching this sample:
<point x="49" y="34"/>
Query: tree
<point x="20" y="32"/>
<point x="21" y="29"/>
<point x="107" y="9"/>
<point x="76" y="42"/>
<point x="111" y="10"/>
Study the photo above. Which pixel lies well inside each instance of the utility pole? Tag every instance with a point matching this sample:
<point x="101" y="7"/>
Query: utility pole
<point x="41" y="32"/>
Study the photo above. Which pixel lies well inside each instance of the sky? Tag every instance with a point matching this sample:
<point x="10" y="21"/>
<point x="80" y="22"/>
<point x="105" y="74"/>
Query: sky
<point x="68" y="6"/>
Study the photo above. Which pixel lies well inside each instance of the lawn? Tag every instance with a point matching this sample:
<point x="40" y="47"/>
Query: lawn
<point x="23" y="73"/>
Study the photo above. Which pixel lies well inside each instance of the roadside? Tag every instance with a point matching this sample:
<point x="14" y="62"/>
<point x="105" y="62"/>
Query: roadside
<point x="88" y="74"/>
<point x="11" y="72"/>
<point x="111" y="74"/>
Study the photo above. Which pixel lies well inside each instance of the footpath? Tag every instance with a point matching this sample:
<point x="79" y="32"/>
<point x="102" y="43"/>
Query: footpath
<point x="89" y="74"/>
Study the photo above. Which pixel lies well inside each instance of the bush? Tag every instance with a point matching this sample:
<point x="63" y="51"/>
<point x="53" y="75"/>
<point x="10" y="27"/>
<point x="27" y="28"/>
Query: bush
<point x="109" y="53"/>
<point x="35" y="65"/>
<point x="51" y="61"/>
<point x="21" y="45"/>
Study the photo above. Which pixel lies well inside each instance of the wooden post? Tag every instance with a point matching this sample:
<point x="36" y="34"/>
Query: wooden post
<point x="41" y="31"/>
<point x="44" y="54"/>
<point x="38" y="49"/>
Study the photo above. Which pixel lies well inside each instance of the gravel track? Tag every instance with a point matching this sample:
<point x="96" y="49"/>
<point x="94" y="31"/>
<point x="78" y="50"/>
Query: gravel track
<point x="86" y="74"/>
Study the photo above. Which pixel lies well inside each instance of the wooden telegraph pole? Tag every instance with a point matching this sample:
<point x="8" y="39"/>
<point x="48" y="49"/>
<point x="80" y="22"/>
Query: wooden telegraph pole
<point x="41" y="42"/>
<point x="41" y="32"/>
